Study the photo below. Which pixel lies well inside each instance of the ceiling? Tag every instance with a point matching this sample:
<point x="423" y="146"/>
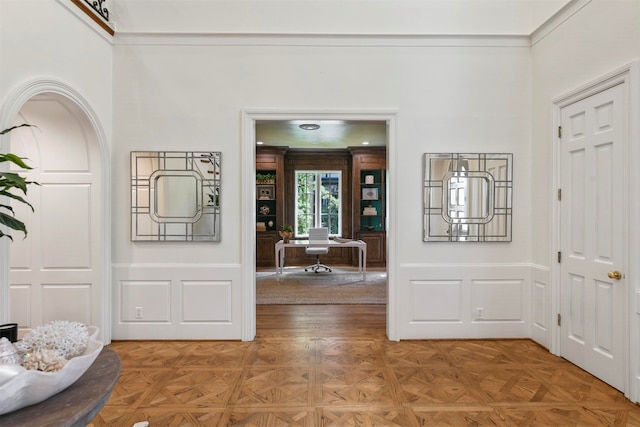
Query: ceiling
<point x="331" y="134"/>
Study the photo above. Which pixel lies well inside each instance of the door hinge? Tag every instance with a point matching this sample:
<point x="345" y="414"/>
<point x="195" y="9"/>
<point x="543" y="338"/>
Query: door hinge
<point x="559" y="131"/>
<point x="559" y="257"/>
<point x="559" y="320"/>
<point x="559" y="193"/>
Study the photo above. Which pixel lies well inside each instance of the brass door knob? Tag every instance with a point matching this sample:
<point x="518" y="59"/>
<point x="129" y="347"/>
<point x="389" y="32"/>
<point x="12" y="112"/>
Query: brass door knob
<point x="615" y="275"/>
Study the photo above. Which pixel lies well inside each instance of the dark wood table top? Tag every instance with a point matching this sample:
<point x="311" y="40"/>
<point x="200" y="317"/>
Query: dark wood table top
<point x="76" y="405"/>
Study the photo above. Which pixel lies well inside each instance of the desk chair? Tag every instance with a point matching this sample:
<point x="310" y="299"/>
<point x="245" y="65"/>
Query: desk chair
<point x="318" y="235"/>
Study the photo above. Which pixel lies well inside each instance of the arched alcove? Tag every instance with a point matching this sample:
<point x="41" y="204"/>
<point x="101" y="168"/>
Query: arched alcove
<point x="63" y="268"/>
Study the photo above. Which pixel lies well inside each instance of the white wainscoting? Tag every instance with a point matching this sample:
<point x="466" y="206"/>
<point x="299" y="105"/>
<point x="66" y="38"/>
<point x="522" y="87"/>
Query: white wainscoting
<point x="541" y="311"/>
<point x="464" y="301"/>
<point x="176" y="301"/>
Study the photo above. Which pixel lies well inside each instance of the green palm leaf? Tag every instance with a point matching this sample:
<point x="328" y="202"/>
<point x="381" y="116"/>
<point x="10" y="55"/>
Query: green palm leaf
<point x="10" y="181"/>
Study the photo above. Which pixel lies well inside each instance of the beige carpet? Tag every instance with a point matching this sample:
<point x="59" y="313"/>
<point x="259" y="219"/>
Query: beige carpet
<point x="343" y="285"/>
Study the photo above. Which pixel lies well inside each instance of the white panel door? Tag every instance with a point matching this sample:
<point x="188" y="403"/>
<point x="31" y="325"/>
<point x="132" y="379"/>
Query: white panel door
<point x="57" y="272"/>
<point x="592" y="234"/>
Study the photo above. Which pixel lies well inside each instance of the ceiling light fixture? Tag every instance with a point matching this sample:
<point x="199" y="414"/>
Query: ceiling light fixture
<point x="309" y="126"/>
<point x="365" y="142"/>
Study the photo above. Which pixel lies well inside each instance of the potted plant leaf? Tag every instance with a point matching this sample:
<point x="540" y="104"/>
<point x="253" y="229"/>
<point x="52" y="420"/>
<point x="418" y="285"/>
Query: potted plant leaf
<point x="12" y="181"/>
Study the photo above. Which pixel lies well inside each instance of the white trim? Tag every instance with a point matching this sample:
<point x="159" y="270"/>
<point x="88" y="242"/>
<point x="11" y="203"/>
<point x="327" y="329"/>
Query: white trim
<point x="627" y="76"/>
<point x="335" y="40"/>
<point x="550" y="25"/>
<point x="393" y="306"/>
<point x="248" y="120"/>
<point x="634" y="230"/>
<point x="248" y="230"/>
<point x="14" y="103"/>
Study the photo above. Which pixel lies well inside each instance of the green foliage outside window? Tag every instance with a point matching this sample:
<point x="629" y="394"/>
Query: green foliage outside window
<point x="314" y="212"/>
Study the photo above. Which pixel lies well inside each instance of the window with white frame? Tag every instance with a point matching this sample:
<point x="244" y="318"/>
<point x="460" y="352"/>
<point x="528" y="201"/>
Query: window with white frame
<point x="318" y="202"/>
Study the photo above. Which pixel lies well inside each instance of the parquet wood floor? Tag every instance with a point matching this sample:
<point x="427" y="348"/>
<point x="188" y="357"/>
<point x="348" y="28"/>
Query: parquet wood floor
<point x="332" y="365"/>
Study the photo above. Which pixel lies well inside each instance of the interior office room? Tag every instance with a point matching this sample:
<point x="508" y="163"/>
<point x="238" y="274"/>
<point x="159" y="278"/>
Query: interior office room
<point x="551" y="84"/>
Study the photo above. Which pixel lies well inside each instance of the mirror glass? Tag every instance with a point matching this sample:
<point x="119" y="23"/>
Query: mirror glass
<point x="175" y="196"/>
<point x="467" y="197"/>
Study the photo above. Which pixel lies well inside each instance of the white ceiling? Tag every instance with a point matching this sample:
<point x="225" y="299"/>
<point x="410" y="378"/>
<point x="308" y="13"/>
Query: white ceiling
<point x="407" y="17"/>
<point x="332" y="133"/>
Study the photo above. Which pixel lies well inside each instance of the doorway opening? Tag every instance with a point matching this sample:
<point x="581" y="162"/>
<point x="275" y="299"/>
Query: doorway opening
<point x="253" y="121"/>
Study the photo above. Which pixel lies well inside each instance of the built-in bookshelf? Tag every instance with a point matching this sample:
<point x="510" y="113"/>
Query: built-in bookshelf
<point x="369" y="176"/>
<point x="266" y="206"/>
<point x="269" y="202"/>
<point x="372" y="193"/>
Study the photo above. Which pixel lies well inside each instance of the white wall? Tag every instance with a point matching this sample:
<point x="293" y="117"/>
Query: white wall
<point x="600" y="38"/>
<point x="46" y="48"/>
<point x="452" y="93"/>
<point x="188" y="92"/>
<point x="60" y="47"/>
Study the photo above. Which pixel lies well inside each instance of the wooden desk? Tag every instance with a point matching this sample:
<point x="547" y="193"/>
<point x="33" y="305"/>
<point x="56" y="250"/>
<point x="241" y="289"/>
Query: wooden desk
<point x="362" y="251"/>
<point x="76" y="405"/>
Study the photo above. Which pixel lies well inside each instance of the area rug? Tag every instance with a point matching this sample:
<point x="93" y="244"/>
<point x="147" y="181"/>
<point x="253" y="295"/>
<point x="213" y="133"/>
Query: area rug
<point x="340" y="286"/>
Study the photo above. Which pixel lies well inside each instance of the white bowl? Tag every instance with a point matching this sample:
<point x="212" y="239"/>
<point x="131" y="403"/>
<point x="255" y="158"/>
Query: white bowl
<point x="20" y="387"/>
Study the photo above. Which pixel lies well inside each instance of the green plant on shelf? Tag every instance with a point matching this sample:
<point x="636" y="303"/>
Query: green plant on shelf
<point x="265" y="178"/>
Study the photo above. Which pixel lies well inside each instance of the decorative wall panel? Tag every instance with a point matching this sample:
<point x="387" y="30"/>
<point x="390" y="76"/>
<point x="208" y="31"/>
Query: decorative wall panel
<point x="67" y="223"/>
<point x="20" y="305"/>
<point x="206" y="301"/>
<point x="497" y="300"/>
<point x="539" y="307"/>
<point x="176" y="301"/>
<point x="67" y="302"/>
<point x="146" y="301"/>
<point x="464" y="301"/>
<point x="437" y="300"/>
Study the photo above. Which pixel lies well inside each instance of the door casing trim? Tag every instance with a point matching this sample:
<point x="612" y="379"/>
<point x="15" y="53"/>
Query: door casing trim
<point x="248" y="251"/>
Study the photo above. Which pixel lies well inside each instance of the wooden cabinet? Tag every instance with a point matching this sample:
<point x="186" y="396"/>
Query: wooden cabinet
<point x="270" y="198"/>
<point x="376" y="250"/>
<point x="369" y="200"/>
<point x="265" y="249"/>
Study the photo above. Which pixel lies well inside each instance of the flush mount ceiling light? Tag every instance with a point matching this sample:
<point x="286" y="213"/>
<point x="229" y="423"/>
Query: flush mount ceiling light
<point x="309" y="126"/>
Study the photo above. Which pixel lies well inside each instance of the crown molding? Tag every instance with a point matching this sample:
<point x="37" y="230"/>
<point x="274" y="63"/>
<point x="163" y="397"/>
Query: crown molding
<point x="566" y="12"/>
<point x="324" y="40"/>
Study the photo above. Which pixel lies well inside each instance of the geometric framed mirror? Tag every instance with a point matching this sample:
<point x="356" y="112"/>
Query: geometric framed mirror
<point x="175" y="196"/>
<point x="468" y="197"/>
